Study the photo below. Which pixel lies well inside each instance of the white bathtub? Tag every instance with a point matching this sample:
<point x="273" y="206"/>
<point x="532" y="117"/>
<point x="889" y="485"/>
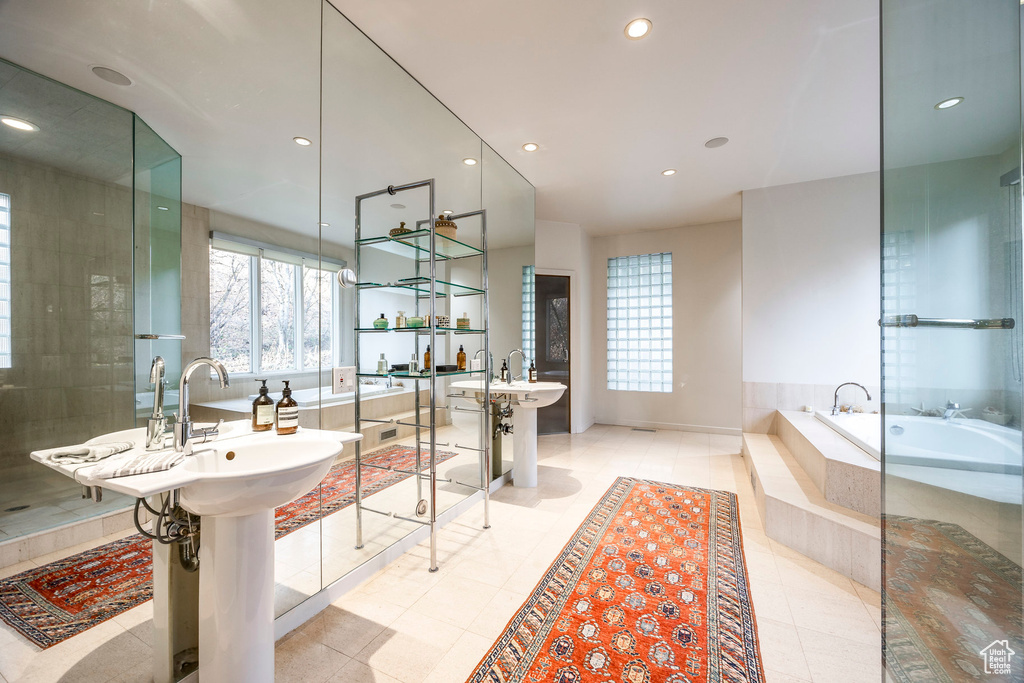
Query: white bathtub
<point x="959" y="444"/>
<point x="310" y="398"/>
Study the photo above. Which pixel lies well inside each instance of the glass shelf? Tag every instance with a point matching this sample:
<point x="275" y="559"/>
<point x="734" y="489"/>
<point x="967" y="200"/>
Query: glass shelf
<point x="406" y="375"/>
<point x="420" y="330"/>
<point x="417" y="243"/>
<point x="421" y="285"/>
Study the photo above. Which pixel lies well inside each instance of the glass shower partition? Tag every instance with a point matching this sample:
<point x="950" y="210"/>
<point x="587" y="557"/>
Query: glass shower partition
<point x="951" y="340"/>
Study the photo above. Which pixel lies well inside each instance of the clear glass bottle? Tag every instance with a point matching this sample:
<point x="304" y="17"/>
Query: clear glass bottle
<point x="382" y="365"/>
<point x="400" y="320"/>
<point x="414" y="364"/>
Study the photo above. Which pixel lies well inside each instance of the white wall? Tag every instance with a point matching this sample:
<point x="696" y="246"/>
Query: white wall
<point x="564" y="249"/>
<point x="706" y="350"/>
<point x="811" y="282"/>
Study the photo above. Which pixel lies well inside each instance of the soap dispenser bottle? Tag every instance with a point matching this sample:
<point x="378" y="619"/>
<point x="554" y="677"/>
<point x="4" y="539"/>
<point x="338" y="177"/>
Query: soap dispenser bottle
<point x="426" y="360"/>
<point x="460" y="358"/>
<point x="382" y="365"/>
<point x="504" y="371"/>
<point x="533" y="373"/>
<point x="263" y="410"/>
<point x="287" y="412"/>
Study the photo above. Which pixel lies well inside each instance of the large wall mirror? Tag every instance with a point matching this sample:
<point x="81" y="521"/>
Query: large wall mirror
<point x="259" y="131"/>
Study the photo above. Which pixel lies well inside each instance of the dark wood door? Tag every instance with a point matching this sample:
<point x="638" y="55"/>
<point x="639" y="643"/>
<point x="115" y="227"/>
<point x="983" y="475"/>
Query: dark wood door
<point x="553" y="343"/>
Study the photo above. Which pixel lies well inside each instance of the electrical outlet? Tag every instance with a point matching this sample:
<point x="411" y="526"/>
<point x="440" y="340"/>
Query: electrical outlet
<point x="344" y="380"/>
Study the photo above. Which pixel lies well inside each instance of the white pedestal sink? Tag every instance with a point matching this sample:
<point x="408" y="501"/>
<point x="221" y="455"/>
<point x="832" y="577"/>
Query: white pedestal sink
<point x="234" y="485"/>
<point x="524" y="437"/>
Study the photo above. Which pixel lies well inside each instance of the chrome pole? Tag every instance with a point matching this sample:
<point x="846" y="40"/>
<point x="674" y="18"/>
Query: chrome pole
<point x="433" y="386"/>
<point x="485" y="417"/>
<point x="359" y="462"/>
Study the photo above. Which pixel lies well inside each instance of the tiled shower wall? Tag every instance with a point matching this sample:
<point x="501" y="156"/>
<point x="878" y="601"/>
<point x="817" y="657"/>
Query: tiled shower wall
<point x="71" y="268"/>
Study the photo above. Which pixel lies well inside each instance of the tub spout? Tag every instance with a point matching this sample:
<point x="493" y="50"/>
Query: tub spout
<point x="835" y="404"/>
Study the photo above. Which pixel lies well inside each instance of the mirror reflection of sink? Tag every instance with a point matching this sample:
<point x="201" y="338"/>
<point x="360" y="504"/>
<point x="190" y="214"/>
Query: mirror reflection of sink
<point x="530" y="397"/>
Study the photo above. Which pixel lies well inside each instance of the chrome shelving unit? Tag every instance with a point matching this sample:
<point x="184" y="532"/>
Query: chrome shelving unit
<point x="426" y="248"/>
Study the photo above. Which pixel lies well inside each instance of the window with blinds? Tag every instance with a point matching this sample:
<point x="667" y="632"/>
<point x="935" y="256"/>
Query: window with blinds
<point x="640" y="323"/>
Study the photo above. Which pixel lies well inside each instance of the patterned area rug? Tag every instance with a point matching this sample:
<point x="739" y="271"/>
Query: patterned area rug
<point x="61" y="599"/>
<point x="652" y="588"/>
<point x="948" y="597"/>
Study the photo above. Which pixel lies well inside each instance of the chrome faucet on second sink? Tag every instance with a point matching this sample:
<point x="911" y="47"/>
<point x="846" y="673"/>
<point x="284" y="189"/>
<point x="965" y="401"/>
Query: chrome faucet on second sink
<point x="184" y="433"/>
<point x="508" y="362"/>
<point x="157" y="424"/>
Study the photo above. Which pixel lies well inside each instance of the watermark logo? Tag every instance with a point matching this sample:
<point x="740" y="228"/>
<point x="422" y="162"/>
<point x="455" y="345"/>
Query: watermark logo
<point x="997" y="657"/>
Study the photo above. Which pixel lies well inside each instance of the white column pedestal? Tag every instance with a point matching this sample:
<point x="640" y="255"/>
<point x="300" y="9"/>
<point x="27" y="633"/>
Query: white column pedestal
<point x="236" y="599"/>
<point x="524" y="448"/>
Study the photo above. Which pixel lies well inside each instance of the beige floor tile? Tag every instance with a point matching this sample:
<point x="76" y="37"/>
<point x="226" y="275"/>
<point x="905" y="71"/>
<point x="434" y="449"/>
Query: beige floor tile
<point x="493" y="619"/>
<point x="410" y="647"/>
<point x="781" y="649"/>
<point x="771" y="676"/>
<point x="833" y="659"/>
<point x="304" y="659"/>
<point x="351" y="623"/>
<point x="357" y="672"/>
<point x="832" y="615"/>
<point x="455" y="600"/>
<point x="459" y="662"/>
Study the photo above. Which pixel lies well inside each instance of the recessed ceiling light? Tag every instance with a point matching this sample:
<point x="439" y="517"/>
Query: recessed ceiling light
<point x="469" y="161"/>
<point x="951" y="102"/>
<point x="531" y="147"/>
<point x="324" y="225"/>
<point x="305" y="142"/>
<point x="398" y="206"/>
<point x="163" y="208"/>
<point x="19" y="124"/>
<point x="447" y="212"/>
<point x="638" y="28"/>
<point x="715" y="142"/>
<point x="669" y="171"/>
<point x="111" y="76"/>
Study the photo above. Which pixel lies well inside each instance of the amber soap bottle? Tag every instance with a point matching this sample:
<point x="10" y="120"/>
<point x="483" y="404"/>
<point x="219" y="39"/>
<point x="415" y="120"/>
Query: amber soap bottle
<point x="287" y="412"/>
<point x="460" y="358"/>
<point x="263" y="410"/>
<point x="426" y="359"/>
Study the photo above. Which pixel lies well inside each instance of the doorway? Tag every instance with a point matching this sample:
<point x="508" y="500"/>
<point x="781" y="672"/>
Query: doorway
<point x="553" y="343"/>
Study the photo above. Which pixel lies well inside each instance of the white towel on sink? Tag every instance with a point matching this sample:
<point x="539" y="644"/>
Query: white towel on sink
<point x="140" y="464"/>
<point x="84" y="453"/>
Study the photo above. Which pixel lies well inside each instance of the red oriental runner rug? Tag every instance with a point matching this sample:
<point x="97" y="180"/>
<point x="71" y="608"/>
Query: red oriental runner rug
<point x="63" y="598"/>
<point x="949" y="598"/>
<point x="652" y="588"/>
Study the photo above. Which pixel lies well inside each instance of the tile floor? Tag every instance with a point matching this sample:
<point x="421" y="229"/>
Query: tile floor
<point x="409" y="626"/>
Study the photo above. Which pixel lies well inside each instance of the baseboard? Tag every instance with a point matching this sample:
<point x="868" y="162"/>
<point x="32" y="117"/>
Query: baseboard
<point x="318" y="602"/>
<point x="674" y="426"/>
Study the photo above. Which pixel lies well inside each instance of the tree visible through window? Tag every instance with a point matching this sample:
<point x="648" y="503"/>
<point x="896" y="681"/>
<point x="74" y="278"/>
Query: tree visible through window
<point x="640" y="323"/>
<point x="284" y="290"/>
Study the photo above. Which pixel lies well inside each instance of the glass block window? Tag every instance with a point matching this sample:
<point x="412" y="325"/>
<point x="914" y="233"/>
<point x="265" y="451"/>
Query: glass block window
<point x="5" y="281"/>
<point x="529" y="314"/>
<point x="640" y="323"/>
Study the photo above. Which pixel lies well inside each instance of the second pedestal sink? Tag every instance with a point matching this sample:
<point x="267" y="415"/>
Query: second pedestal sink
<point x="234" y="484"/>
<point x="530" y="397"/>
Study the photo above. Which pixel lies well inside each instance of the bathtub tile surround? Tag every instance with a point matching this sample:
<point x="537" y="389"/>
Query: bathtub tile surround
<point x="812" y="621"/>
<point x="762" y="399"/>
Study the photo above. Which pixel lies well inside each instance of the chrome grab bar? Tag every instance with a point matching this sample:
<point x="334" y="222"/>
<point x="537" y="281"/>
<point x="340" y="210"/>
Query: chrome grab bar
<point x="953" y="323"/>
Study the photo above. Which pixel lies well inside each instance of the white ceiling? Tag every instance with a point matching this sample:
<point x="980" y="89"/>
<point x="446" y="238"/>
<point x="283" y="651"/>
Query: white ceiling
<point x="793" y="84"/>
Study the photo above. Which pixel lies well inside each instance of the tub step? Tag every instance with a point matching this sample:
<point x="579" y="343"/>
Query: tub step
<point x="843" y="473"/>
<point x="795" y="513"/>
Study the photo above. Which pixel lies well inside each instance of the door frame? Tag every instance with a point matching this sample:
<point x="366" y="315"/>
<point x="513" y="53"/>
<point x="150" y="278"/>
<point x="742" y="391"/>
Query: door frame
<point x="574" y="356"/>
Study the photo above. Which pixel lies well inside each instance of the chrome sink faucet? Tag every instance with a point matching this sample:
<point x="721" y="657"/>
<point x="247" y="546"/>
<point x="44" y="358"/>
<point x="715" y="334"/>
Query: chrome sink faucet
<point x="157" y="423"/>
<point x="835" y="403"/>
<point x="490" y="368"/>
<point x="184" y="433"/>
<point x="508" y="362"/>
<point x="951" y="410"/>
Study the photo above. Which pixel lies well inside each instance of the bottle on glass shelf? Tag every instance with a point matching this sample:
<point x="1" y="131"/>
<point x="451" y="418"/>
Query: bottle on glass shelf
<point x="426" y="360"/>
<point x="460" y="358"/>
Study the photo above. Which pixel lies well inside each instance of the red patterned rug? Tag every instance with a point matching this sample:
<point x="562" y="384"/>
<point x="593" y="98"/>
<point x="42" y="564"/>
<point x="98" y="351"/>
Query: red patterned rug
<point x="63" y="598"/>
<point x="948" y="597"/>
<point x="652" y="588"/>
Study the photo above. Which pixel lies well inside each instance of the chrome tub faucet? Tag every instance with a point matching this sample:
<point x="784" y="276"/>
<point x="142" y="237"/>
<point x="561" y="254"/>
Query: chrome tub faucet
<point x="835" y="403"/>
